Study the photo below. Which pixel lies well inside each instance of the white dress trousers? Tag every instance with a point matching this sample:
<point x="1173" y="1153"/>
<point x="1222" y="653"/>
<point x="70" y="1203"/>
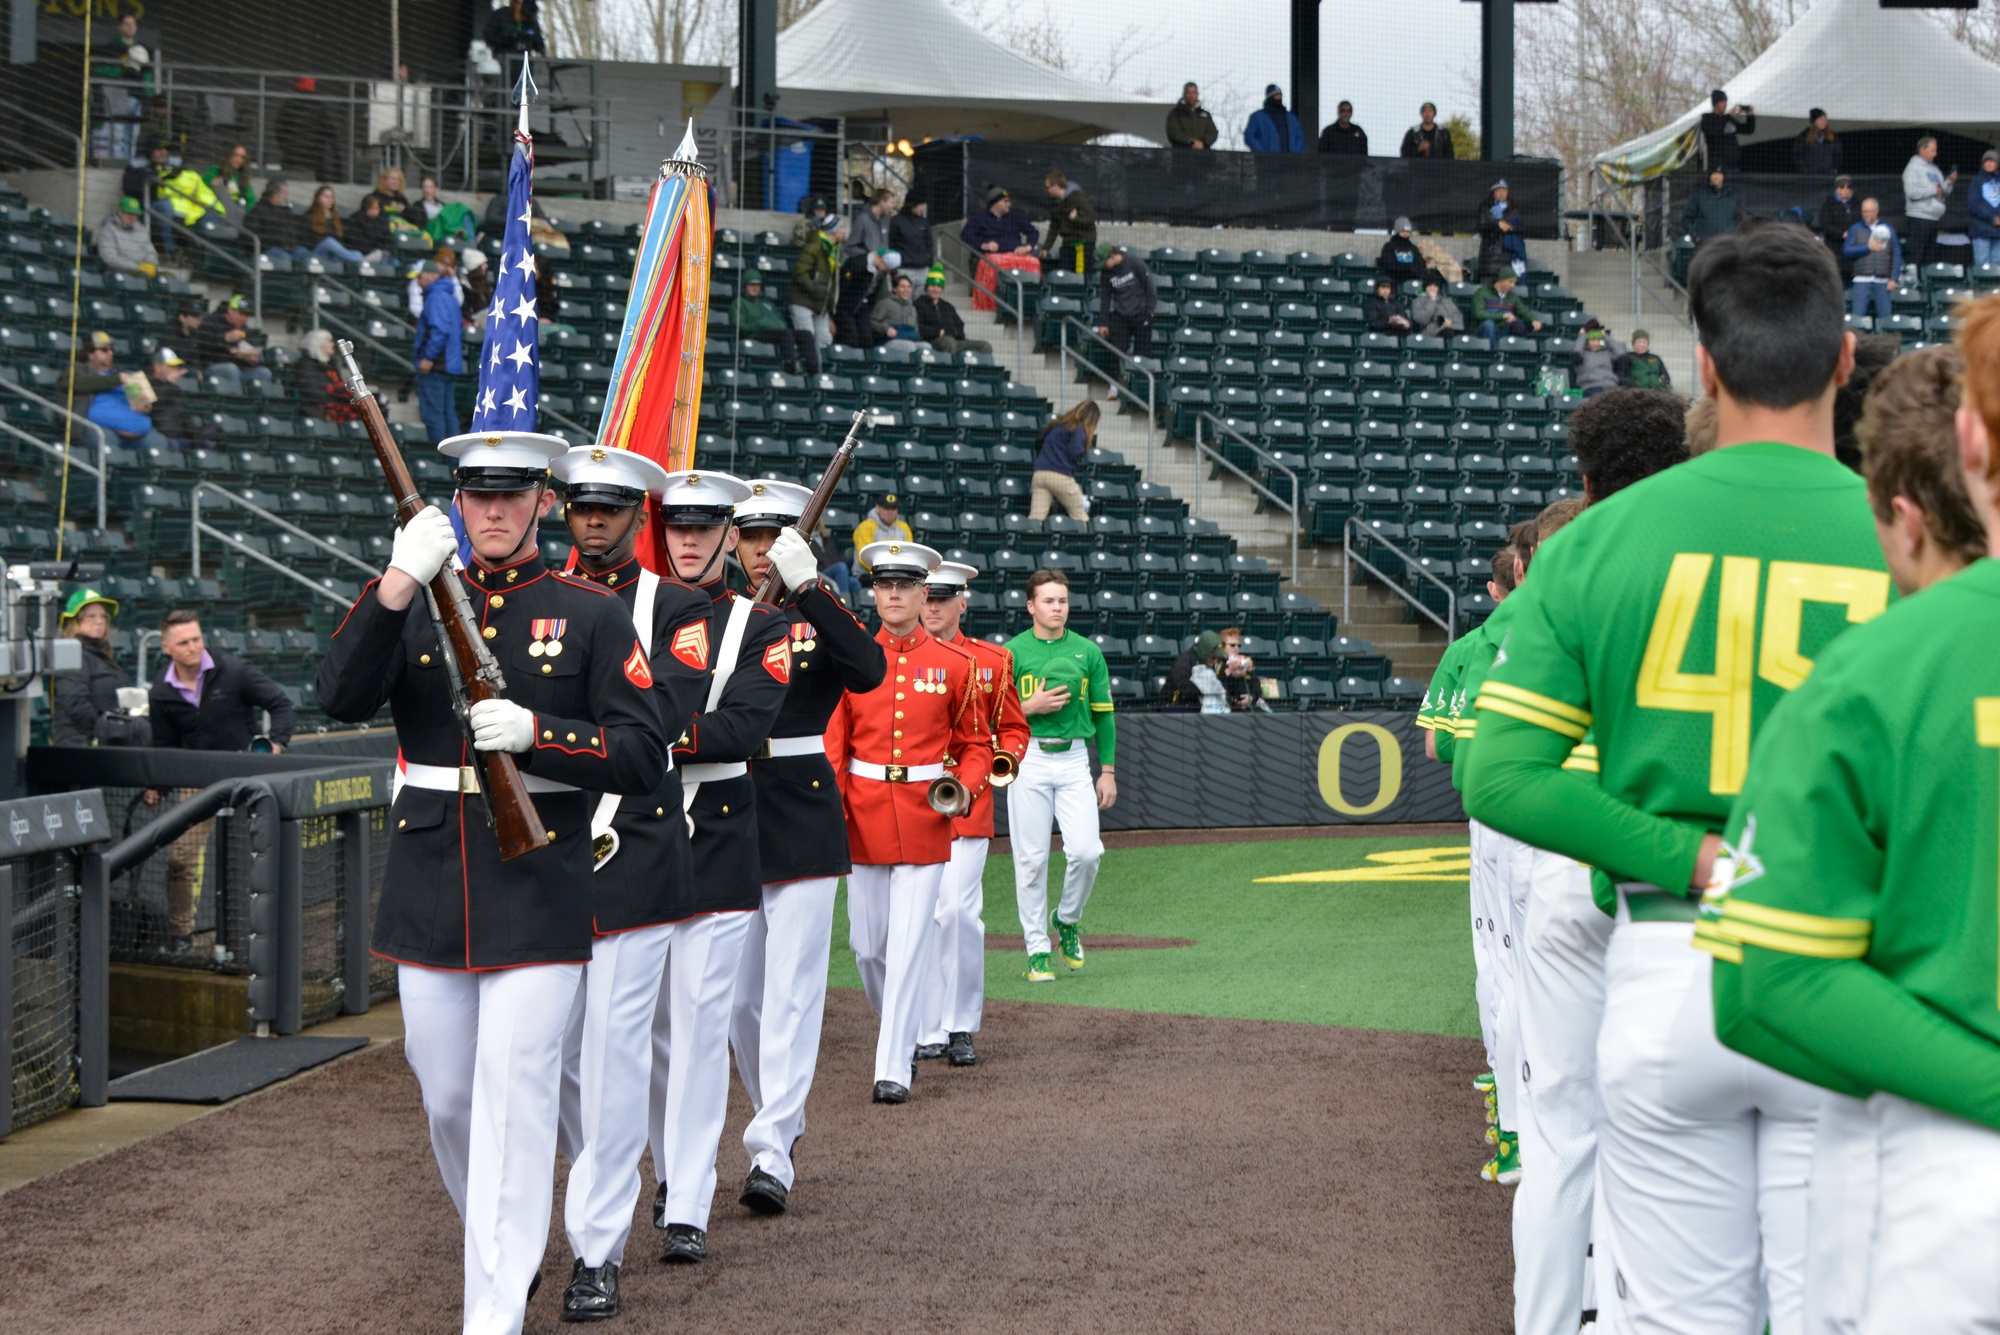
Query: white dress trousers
<point x="779" y="1008"/>
<point x="1559" y="1002"/>
<point x="689" y="1098"/>
<point x="607" y="1074"/>
<point x="1704" y="1153"/>
<point x="955" y="976"/>
<point x="1936" y="1261"/>
<point x="891" y="917"/>
<point x="1053" y="790"/>
<point x="487" y="1051"/>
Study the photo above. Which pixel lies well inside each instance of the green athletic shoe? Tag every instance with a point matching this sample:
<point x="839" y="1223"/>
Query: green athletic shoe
<point x="1492" y="1111"/>
<point x="1505" y="1166"/>
<point x="1069" y="940"/>
<point x="1038" y="968"/>
<point x="1483" y="1082"/>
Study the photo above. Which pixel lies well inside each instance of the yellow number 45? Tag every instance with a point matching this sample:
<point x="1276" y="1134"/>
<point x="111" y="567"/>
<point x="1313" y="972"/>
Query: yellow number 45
<point x="1725" y="693"/>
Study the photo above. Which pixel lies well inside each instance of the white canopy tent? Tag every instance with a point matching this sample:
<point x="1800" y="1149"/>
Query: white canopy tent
<point x="919" y="65"/>
<point x="1865" y="66"/>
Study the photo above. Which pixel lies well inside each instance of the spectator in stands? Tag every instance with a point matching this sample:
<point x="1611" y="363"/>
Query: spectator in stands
<point x="180" y="196"/>
<point x="1342" y="135"/>
<point x="1127" y="300"/>
<point x="1817" y="151"/>
<point x="1272" y="128"/>
<point x="475" y="282"/>
<point x="1712" y="209"/>
<point x="860" y="277"/>
<point x="308" y="139"/>
<point x="1982" y="205"/>
<point x="170" y="415"/>
<point x="1838" y="212"/>
<point x="126" y="407"/>
<point x="757" y="317"/>
<point x="1722" y="128"/>
<point x="1496" y="311"/>
<point x="883" y="523"/>
<point x="548" y="300"/>
<point x="123" y="69"/>
<point x="1427" y="139"/>
<point x="317" y="382"/>
<point x="869" y="237"/>
<point x="832" y="566"/>
<point x="997" y="229"/>
<point x="222" y="345"/>
<point x="1501" y="246"/>
<point x="447" y="258"/>
<point x="810" y="212"/>
<point x="938" y="322"/>
<point x="1401" y="261"/>
<point x="123" y="243"/>
<point x="388" y="192"/>
<point x="816" y="283"/>
<point x="139" y="175"/>
<point x="85" y="710"/>
<point x="230" y="179"/>
<point x="323" y="224"/>
<point x="442" y="220"/>
<point x="1059" y="449"/>
<point x="1876" y="254"/>
<point x="1072" y="239"/>
<point x="283" y="230"/>
<point x="368" y="230"/>
<point x="1433" y="312"/>
<point x="493" y="221"/>
<point x="1195" y="678"/>
<point x="910" y="237"/>
<point x="1925" y="192"/>
<point x="1593" y="360"/>
<point x="515" y="26"/>
<point x="1239" y="673"/>
<point x="1189" y="125"/>
<point x="440" y="352"/>
<point x="1640" y="367"/>
<point x="895" y="317"/>
<point x="187" y="320"/>
<point x="1386" y="313"/>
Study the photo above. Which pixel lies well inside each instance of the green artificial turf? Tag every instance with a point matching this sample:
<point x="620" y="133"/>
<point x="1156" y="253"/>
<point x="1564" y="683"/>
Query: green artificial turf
<point x="1384" y="944"/>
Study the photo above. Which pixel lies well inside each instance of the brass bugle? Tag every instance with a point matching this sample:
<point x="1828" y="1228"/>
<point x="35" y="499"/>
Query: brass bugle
<point x="948" y="797"/>
<point x="1005" y="767"/>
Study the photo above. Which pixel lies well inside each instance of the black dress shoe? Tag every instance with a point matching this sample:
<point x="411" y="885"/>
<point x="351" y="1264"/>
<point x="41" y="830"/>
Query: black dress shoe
<point x="764" y="1193"/>
<point x="959" y="1050"/>
<point x="533" y="1285"/>
<point x="660" y="1206"/>
<point x="686" y="1244"/>
<point x="888" y="1091"/>
<point x="929" y="1052"/>
<point x="592" y="1294"/>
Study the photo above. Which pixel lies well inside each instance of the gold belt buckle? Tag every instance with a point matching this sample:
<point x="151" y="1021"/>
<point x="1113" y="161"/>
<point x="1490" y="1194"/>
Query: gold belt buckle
<point x="896" y="773"/>
<point x="468" y="779"/>
<point x="763" y="750"/>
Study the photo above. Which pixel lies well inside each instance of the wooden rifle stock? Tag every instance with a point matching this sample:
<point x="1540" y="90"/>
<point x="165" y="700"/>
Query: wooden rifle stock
<point x="476" y="674"/>
<point x="773" y="588"/>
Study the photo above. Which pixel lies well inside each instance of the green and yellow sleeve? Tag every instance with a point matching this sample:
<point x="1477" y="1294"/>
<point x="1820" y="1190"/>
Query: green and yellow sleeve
<point x="1098" y="689"/>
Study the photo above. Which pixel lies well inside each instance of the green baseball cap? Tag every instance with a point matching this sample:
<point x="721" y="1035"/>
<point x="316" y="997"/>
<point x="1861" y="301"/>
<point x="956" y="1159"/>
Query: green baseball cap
<point x="130" y="205"/>
<point x="83" y="598"/>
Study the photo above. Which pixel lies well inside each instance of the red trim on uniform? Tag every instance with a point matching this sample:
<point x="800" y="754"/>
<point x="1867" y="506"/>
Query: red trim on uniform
<point x="366" y="589"/>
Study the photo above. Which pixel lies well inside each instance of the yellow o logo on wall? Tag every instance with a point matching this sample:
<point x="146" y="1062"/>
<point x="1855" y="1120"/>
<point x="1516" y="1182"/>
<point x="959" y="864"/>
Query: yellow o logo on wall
<point x="1391" y="752"/>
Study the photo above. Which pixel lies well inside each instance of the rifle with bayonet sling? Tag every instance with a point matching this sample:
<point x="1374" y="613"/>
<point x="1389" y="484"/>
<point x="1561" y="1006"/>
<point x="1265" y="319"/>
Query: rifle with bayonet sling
<point x="772" y="590"/>
<point x="473" y="672"/>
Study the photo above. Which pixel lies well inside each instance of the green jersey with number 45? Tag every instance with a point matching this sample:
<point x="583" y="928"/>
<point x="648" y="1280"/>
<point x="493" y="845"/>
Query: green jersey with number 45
<point x="1869" y="827"/>
<point x="1668" y="621"/>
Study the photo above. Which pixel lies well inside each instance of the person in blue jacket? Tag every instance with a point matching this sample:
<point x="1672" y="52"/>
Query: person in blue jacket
<point x="440" y="349"/>
<point x="1982" y="208"/>
<point x="1273" y="129"/>
<point x="999" y="230"/>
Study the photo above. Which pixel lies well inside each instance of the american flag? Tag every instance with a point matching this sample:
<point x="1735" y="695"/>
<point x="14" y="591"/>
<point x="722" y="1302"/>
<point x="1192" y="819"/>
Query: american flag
<point x="510" y="373"/>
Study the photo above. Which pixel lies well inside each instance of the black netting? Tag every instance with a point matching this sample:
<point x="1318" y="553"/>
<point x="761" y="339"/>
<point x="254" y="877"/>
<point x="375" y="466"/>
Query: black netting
<point x="381" y="972"/>
<point x="182" y="906"/>
<point x="322" y="884"/>
<point x="44" y="913"/>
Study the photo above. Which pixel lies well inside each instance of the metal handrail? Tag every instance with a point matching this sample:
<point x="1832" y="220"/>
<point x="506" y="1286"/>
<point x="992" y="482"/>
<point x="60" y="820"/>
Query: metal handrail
<point x="1201" y="447"/>
<point x="226" y="255"/>
<point x="1019" y="310"/>
<point x="1351" y="558"/>
<point x="197" y="527"/>
<point x="1153" y="423"/>
<point x="393" y="314"/>
<point x="16" y="109"/>
<point x="100" y="470"/>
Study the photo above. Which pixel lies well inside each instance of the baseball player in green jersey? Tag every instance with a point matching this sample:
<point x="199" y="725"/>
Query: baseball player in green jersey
<point x="1825" y="780"/>
<point x="1065" y="691"/>
<point x="1669" y="621"/>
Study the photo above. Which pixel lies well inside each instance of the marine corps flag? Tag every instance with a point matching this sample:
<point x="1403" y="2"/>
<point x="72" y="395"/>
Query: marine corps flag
<point x="654" y="400"/>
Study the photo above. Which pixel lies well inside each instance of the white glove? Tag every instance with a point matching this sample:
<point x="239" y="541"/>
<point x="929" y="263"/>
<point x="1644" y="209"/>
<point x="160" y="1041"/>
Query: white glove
<point x="501" y="725"/>
<point x="423" y="545"/>
<point x="792" y="557"/>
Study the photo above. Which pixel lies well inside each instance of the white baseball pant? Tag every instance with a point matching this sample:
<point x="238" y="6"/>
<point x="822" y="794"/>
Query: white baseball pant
<point x="955" y="977"/>
<point x="1936" y="1259"/>
<point x="487" y="1052"/>
<point x="1704" y="1153"/>
<point x="607" y="1073"/>
<point x="1053" y="789"/>
<point x="780" y="1006"/>
<point x="891" y="918"/>
<point x="1559" y="1000"/>
<point x="1841" y="1201"/>
<point x="689" y="1095"/>
<point x="1492" y="880"/>
<point x="1482" y="967"/>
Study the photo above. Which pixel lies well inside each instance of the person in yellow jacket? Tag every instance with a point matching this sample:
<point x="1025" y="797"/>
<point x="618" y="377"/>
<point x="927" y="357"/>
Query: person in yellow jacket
<point x="882" y="524"/>
<point x="180" y="195"/>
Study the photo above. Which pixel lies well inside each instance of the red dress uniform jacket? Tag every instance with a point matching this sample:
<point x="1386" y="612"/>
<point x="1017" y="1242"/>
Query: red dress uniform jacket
<point x="992" y="677"/>
<point x="926" y="708"/>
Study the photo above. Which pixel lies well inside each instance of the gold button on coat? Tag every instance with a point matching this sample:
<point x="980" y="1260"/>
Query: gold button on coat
<point x="489" y="632"/>
<point x="496" y="601"/>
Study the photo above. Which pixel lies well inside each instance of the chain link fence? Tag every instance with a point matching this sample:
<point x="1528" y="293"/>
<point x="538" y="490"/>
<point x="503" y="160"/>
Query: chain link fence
<point x="43" y="897"/>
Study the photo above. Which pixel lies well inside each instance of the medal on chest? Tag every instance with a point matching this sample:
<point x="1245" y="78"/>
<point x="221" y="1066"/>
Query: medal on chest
<point x="931" y="680"/>
<point x="986" y="680"/>
<point x="546" y="637"/>
<point x="805" y="639"/>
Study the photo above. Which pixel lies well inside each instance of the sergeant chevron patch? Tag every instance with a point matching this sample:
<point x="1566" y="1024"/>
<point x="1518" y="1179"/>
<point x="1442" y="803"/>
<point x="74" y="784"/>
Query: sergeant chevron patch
<point x="637" y="670"/>
<point x="778" y="661"/>
<point x="691" y="645"/>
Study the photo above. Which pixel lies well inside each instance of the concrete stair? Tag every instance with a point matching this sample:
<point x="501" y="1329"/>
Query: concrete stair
<point x="1602" y="281"/>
